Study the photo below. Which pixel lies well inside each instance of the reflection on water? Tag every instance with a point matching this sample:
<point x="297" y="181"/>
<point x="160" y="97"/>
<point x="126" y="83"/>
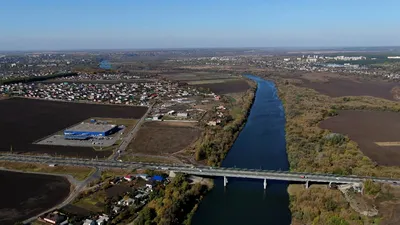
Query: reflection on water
<point x="261" y="144"/>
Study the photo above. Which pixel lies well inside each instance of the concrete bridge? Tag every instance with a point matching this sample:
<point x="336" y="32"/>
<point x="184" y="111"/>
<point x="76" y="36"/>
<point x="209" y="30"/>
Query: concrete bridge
<point x="203" y="171"/>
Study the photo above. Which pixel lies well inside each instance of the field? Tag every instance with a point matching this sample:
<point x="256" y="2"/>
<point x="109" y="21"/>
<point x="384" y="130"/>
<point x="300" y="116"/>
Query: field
<point x="19" y="202"/>
<point x="24" y="121"/>
<point x="338" y="86"/>
<point x="197" y="76"/>
<point x="218" y="83"/>
<point x="234" y="86"/>
<point x="160" y="138"/>
<point x="375" y="132"/>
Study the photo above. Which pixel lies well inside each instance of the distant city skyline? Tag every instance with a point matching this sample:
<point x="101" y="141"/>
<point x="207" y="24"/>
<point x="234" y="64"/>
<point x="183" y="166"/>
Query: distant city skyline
<point x="73" y="25"/>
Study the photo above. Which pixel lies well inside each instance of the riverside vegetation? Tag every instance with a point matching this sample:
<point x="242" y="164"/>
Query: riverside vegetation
<point x="175" y="204"/>
<point x="216" y="141"/>
<point x="312" y="149"/>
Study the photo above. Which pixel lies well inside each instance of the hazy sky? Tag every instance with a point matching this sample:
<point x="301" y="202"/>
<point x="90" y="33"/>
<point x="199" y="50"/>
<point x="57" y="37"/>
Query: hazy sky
<point x="101" y="24"/>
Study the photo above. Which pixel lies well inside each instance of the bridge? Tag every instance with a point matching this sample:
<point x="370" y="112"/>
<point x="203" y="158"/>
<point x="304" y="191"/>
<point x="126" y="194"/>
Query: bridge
<point x="203" y="170"/>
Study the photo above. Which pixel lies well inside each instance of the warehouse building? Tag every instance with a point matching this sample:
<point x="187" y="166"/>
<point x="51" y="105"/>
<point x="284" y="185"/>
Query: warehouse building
<point x="84" y="131"/>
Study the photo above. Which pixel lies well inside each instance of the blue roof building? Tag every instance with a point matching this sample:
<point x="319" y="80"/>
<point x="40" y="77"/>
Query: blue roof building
<point x="157" y="178"/>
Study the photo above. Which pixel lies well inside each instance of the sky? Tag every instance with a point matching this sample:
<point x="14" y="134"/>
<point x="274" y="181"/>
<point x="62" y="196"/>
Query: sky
<point x="144" y="24"/>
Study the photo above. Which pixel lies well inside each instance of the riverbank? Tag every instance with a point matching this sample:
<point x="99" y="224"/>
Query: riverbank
<point x="176" y="204"/>
<point x="313" y="149"/>
<point x="215" y="142"/>
<point x="260" y="145"/>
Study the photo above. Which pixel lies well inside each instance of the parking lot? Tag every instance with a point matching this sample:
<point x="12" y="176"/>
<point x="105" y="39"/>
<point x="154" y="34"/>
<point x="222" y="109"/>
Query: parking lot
<point x="96" y="142"/>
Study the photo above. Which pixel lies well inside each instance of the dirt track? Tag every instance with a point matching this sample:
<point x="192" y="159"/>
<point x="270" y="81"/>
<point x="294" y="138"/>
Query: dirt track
<point x="368" y="127"/>
<point x="24" y="121"/>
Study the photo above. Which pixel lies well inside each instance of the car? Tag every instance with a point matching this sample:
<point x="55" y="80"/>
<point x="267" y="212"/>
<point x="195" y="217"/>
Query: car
<point x="201" y="170"/>
<point x="302" y="176"/>
<point x="337" y="178"/>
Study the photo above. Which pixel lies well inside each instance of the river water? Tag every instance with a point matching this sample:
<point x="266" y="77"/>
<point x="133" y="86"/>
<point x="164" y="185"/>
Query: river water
<point x="260" y="144"/>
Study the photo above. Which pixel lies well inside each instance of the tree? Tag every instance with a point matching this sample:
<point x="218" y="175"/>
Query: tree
<point x="146" y="216"/>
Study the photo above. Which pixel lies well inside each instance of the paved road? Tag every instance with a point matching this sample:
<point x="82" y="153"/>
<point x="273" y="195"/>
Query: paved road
<point x="199" y="170"/>
<point x="131" y="135"/>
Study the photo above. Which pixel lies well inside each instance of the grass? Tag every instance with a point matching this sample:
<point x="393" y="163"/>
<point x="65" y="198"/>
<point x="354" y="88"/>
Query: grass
<point x="88" y="204"/>
<point x="309" y="151"/>
<point x="105" y="174"/>
<point x="79" y="173"/>
<point x="91" y="201"/>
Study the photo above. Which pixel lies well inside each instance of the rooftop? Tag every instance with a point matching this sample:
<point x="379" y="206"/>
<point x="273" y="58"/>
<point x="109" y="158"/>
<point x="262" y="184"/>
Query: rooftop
<point x="92" y="127"/>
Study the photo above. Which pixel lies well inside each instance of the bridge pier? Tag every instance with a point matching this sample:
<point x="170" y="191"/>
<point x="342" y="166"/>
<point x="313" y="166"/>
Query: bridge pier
<point x="307" y="185"/>
<point x="265" y="184"/>
<point x="225" y="181"/>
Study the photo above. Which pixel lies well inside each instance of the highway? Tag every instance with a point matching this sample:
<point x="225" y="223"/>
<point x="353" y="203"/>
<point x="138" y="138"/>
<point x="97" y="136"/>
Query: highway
<point x="130" y="136"/>
<point x="200" y="170"/>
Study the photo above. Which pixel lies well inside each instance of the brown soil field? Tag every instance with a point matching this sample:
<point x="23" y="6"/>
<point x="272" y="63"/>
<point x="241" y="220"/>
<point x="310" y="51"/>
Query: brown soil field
<point x="76" y="210"/>
<point x="196" y="76"/>
<point x="117" y="190"/>
<point x="227" y="87"/>
<point x="19" y="202"/>
<point x="24" y="121"/>
<point x="335" y="87"/>
<point x="160" y="138"/>
<point x="366" y="128"/>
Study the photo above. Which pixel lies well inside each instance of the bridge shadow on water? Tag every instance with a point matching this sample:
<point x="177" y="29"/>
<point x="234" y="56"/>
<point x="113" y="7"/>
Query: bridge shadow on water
<point x="260" y="145"/>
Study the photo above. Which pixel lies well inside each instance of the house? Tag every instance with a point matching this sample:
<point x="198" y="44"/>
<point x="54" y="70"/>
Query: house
<point x="221" y="107"/>
<point x="89" y="222"/>
<point x="157" y="117"/>
<point x="217" y="97"/>
<point x="212" y="123"/>
<point x="143" y="176"/>
<point x="115" y="181"/>
<point x="116" y="209"/>
<point x="183" y="115"/>
<point x="56" y="218"/>
<point x="126" y="201"/>
<point x="150" y="186"/>
<point x="102" y="219"/>
<point x="157" y="178"/>
<point x="128" y="178"/>
<point x="172" y="112"/>
<point x="140" y="196"/>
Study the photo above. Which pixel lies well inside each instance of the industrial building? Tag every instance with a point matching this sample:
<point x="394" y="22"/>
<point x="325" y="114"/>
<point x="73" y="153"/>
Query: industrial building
<point x="84" y="131"/>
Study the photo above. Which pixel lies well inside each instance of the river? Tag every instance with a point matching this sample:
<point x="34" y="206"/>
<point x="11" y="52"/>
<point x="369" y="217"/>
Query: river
<point x="260" y="144"/>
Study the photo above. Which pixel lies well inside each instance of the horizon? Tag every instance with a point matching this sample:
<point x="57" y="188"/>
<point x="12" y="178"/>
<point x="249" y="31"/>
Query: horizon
<point x="277" y="48"/>
<point x="177" y="24"/>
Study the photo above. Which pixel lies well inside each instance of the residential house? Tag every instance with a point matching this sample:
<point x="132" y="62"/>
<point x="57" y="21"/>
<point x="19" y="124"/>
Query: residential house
<point x="143" y="176"/>
<point x="116" y="209"/>
<point x="89" y="222"/>
<point x="182" y="115"/>
<point x="56" y="218"/>
<point x="128" y="178"/>
<point x="126" y="202"/>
